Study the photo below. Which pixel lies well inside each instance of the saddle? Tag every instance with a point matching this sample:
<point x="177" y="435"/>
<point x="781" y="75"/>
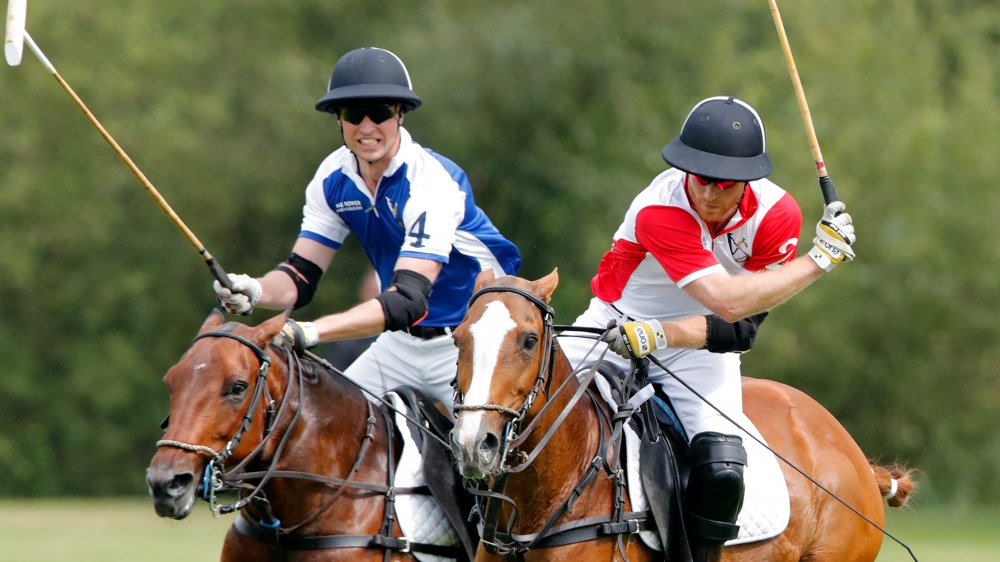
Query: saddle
<point x="664" y="465"/>
<point x="446" y="484"/>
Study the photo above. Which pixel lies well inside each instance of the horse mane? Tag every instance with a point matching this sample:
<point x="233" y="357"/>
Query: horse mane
<point x="314" y="370"/>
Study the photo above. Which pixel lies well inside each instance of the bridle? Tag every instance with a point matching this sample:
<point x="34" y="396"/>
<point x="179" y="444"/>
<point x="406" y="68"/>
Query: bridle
<point x="269" y="529"/>
<point x="542" y="378"/>
<point x="218" y="477"/>
<point x="513" y="437"/>
<point x="213" y="479"/>
<point x="610" y="429"/>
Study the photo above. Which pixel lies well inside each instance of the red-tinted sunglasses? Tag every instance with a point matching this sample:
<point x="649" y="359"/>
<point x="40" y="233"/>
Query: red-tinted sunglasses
<point x="721" y="184"/>
<point x="377" y="112"/>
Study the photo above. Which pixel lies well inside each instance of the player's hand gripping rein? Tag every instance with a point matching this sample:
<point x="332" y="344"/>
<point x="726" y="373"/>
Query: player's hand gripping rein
<point x="302" y="335"/>
<point x="834" y="237"/>
<point x="245" y="294"/>
<point x="634" y="340"/>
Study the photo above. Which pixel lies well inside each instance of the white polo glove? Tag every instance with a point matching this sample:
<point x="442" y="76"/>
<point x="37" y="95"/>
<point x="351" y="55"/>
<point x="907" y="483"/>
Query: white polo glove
<point x="302" y="335"/>
<point x="834" y="237"/>
<point x="634" y="340"/>
<point x="245" y="294"/>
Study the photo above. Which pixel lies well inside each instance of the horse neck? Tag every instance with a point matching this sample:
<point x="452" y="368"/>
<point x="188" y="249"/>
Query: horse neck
<point x="326" y="438"/>
<point x="557" y="469"/>
<point x="331" y="418"/>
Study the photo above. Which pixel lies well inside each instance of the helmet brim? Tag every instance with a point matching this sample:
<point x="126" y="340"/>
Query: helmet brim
<point x="707" y="164"/>
<point x="368" y="92"/>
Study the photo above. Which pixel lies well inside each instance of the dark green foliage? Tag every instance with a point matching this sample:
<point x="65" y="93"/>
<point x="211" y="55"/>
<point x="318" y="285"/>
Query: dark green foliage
<point x="557" y="110"/>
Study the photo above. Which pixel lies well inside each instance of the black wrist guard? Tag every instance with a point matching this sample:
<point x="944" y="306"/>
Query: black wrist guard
<point x="306" y="280"/>
<point x="724" y="337"/>
<point x="407" y="305"/>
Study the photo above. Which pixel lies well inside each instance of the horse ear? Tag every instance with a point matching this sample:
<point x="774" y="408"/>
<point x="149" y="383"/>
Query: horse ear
<point x="547" y="285"/>
<point x="484" y="278"/>
<point x="213" y="321"/>
<point x="265" y="331"/>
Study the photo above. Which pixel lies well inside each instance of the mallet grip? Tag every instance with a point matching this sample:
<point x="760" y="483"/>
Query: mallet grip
<point x="829" y="190"/>
<point x="217" y="271"/>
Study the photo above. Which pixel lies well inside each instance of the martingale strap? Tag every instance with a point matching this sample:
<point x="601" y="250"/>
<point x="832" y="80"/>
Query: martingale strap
<point x="620" y="522"/>
<point x="586" y="530"/>
<point x="288" y="542"/>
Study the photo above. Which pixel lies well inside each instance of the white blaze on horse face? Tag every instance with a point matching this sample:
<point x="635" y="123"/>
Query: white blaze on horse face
<point x="488" y="334"/>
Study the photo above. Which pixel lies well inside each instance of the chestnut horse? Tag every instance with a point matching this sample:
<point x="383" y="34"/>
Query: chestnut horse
<point x="509" y="368"/>
<point x="313" y="459"/>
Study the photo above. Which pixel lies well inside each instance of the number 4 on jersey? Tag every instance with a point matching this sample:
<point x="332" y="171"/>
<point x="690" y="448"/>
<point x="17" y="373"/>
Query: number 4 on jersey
<point x="417" y="231"/>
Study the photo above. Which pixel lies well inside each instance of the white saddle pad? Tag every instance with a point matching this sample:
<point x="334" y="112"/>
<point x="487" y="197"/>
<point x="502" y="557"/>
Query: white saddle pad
<point x="766" y="506"/>
<point x="420" y="517"/>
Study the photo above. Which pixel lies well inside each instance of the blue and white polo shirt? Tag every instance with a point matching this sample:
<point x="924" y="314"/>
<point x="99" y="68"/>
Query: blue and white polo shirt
<point x="423" y="208"/>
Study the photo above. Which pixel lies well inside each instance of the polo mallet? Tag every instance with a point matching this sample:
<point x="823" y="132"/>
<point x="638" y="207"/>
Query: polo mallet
<point x="825" y="183"/>
<point x="16" y="36"/>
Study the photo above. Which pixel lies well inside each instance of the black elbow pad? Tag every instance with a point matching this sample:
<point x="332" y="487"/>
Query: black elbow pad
<point x="725" y="337"/>
<point x="407" y="305"/>
<point x="306" y="280"/>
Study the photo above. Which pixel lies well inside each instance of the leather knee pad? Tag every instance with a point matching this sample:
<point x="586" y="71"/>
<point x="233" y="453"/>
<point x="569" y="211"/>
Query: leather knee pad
<point x="715" y="488"/>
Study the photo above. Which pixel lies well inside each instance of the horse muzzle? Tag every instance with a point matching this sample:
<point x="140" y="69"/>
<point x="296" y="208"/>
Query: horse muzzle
<point x="477" y="453"/>
<point x="173" y="491"/>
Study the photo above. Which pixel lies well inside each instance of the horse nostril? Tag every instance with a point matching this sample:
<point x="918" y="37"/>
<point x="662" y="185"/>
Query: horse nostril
<point x="180" y="483"/>
<point x="488" y="445"/>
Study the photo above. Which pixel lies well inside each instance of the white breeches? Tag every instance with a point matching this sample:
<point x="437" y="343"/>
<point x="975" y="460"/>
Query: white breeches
<point x="716" y="376"/>
<point x="398" y="359"/>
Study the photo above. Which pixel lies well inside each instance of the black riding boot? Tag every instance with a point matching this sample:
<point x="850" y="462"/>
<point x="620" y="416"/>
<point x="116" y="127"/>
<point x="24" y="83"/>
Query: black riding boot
<point x="714" y="493"/>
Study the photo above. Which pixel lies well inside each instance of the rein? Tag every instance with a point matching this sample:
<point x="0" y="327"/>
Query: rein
<point x="218" y="478"/>
<point x="790" y="464"/>
<point x="544" y="370"/>
<point x="619" y="522"/>
<point x="513" y="438"/>
<point x="215" y="477"/>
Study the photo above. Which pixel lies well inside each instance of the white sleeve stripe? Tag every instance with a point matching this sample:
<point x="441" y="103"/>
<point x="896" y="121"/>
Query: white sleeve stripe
<point x="469" y="245"/>
<point x="717" y="268"/>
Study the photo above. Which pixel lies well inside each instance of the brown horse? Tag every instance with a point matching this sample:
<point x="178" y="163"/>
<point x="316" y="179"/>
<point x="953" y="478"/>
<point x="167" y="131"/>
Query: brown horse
<point x="311" y="456"/>
<point x="506" y="370"/>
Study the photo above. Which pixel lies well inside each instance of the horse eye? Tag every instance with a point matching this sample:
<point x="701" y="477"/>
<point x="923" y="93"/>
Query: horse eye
<point x="531" y="341"/>
<point x="237" y="388"/>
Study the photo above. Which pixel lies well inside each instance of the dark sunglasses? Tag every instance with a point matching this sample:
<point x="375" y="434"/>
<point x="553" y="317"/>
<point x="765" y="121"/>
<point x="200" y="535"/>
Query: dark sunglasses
<point x="377" y="112"/>
<point x="721" y="184"/>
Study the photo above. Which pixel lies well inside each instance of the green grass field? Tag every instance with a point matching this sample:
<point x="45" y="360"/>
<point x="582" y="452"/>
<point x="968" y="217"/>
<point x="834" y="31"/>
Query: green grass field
<point x="127" y="530"/>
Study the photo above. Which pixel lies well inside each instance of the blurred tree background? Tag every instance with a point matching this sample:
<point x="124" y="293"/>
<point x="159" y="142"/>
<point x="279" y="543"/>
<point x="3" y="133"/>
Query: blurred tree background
<point x="557" y="110"/>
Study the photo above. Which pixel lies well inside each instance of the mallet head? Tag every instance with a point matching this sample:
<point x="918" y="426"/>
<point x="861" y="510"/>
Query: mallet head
<point x="13" y="44"/>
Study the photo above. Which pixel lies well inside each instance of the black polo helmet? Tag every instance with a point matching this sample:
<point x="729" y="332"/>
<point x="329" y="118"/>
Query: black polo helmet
<point x="369" y="74"/>
<point x="722" y="138"/>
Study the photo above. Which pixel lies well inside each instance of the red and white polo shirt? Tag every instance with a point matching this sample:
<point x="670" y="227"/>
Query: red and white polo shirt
<point x="663" y="245"/>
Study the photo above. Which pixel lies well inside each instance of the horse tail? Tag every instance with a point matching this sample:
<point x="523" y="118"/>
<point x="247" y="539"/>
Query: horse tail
<point x="895" y="483"/>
